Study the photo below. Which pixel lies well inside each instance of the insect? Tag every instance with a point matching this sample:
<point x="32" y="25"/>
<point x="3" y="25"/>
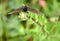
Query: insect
<point x="25" y="9"/>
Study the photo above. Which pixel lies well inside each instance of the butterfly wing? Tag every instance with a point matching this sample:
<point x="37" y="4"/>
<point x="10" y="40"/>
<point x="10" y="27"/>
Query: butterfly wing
<point x="16" y="10"/>
<point x="35" y="11"/>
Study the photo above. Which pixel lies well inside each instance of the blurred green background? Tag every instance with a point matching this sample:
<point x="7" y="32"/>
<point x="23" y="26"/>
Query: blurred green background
<point x="40" y="28"/>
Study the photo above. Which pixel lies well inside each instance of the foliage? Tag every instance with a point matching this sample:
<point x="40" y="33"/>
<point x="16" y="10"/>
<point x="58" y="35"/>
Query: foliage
<point x="34" y="27"/>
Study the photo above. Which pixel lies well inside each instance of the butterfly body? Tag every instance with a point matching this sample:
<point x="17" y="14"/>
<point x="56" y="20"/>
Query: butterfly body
<point x="25" y="9"/>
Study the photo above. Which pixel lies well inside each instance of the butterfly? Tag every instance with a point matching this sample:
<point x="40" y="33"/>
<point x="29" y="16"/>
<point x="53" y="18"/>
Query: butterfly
<point x="25" y="9"/>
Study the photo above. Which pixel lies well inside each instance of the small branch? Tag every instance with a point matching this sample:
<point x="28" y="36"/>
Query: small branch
<point x="42" y="26"/>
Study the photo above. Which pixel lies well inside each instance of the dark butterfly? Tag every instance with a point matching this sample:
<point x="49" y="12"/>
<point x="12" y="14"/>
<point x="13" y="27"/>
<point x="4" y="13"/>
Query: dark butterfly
<point x="25" y="9"/>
